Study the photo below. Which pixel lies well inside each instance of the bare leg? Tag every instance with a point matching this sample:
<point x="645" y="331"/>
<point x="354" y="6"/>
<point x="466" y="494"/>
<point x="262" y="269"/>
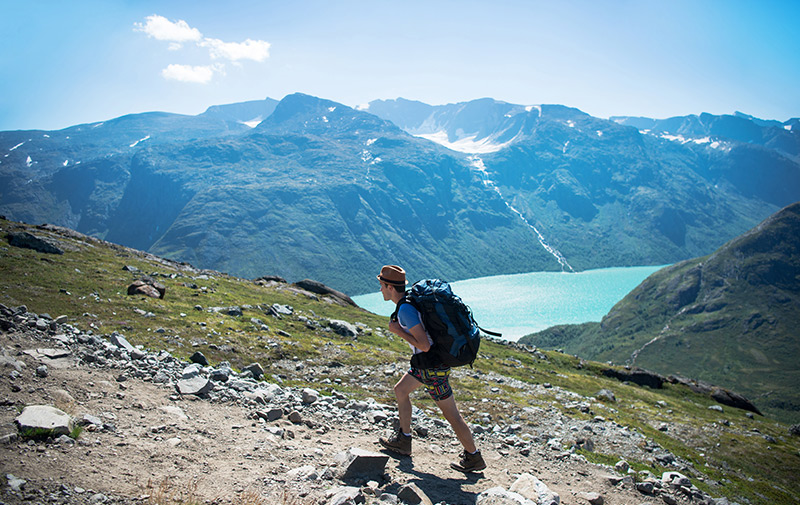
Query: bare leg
<point x="453" y="416"/>
<point x="402" y="391"/>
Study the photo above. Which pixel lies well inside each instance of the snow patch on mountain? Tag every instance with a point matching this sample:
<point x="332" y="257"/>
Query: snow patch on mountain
<point x="529" y="108"/>
<point x="253" y="122"/>
<point x="140" y="140"/>
<point x="714" y="144"/>
<point x="469" y="145"/>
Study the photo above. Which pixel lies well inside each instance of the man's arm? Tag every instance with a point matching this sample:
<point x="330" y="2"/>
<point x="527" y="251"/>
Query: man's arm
<point x="415" y="335"/>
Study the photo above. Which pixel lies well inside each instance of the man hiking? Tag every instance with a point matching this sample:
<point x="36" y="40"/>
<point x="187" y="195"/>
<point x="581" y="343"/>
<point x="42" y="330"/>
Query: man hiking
<point x="409" y="327"/>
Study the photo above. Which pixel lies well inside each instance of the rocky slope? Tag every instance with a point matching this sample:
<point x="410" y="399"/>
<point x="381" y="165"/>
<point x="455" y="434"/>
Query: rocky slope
<point x="221" y="390"/>
<point x="155" y="427"/>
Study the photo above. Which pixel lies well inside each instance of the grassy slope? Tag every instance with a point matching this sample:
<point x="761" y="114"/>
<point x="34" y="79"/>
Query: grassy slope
<point x="88" y="284"/>
<point x="728" y="318"/>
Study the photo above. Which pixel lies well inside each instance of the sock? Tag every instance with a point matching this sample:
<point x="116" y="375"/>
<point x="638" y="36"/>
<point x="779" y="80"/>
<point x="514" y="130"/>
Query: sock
<point x="476" y="452"/>
<point x="406" y="434"/>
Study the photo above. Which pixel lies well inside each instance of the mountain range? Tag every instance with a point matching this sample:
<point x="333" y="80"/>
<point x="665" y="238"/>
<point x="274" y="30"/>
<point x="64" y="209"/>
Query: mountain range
<point x="309" y="188"/>
<point x="729" y="318"/>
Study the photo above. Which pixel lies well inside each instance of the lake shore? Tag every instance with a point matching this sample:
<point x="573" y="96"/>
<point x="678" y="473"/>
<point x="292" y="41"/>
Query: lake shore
<point x="519" y="304"/>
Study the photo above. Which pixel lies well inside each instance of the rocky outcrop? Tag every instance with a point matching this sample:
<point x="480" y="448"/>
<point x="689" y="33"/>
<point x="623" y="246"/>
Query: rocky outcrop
<point x="721" y="395"/>
<point x="322" y="289"/>
<point x="30" y="241"/>
<point x="636" y="376"/>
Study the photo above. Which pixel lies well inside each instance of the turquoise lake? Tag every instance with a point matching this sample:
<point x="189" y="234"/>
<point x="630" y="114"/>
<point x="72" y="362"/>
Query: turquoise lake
<point x="516" y="305"/>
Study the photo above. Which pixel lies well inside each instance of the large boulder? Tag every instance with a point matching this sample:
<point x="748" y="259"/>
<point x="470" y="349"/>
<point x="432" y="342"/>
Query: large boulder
<point x="147" y="287"/>
<point x="43" y="421"/>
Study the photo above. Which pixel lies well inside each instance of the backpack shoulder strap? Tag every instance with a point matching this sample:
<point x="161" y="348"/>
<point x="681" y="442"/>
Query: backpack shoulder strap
<point x="492" y="333"/>
<point x="406" y="299"/>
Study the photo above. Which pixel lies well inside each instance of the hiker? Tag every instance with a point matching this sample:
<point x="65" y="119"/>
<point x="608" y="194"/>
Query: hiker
<point x="408" y="326"/>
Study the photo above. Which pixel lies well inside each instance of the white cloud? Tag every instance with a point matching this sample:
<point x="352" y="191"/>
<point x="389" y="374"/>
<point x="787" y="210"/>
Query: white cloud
<point x="189" y="73"/>
<point x="161" y="28"/>
<point x="256" y="50"/>
<point x="179" y="32"/>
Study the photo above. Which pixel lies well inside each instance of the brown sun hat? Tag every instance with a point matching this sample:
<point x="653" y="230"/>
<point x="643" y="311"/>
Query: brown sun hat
<point x="393" y="274"/>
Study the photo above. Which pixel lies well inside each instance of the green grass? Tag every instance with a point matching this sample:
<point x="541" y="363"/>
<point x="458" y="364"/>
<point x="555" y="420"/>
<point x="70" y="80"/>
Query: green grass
<point x="88" y="284"/>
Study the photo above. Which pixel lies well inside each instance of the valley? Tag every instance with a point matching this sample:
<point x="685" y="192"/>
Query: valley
<point x="320" y="190"/>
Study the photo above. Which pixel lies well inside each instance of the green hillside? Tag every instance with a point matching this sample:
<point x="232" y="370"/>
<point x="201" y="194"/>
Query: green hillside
<point x="729" y="318"/>
<point x="735" y="454"/>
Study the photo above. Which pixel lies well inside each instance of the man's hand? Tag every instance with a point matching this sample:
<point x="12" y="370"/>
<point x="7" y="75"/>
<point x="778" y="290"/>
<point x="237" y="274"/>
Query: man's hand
<point x="395" y="328"/>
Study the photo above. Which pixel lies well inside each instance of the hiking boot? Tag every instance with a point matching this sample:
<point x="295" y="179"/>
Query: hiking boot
<point x="399" y="443"/>
<point x="469" y="463"/>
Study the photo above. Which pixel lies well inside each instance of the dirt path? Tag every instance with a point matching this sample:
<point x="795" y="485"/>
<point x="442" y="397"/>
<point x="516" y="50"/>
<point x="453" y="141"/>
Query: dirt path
<point x="157" y="442"/>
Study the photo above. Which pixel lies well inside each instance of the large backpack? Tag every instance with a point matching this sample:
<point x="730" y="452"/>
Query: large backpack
<point x="449" y="322"/>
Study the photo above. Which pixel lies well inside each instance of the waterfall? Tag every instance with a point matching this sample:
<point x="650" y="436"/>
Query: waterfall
<point x="477" y="163"/>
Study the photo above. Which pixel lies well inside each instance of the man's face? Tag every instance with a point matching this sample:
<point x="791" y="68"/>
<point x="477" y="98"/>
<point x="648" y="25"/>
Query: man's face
<point x="386" y="292"/>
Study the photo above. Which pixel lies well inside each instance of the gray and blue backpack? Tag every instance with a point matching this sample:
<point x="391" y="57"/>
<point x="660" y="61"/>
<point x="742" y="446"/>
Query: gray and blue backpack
<point x="449" y="322"/>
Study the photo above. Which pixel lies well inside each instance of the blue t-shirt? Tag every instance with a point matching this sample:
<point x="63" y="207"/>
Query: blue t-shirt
<point x="408" y="317"/>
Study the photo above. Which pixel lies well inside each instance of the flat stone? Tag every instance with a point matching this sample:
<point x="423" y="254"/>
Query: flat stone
<point x="359" y="462"/>
<point x="15" y="483"/>
<point x="346" y="495"/>
<point x="499" y="496"/>
<point x="535" y="490"/>
<point x="195" y="386"/>
<point x="412" y="494"/>
<point x="29" y="241"/>
<point x="44" y="418"/>
<point x="48" y="353"/>
<point x="592" y="497"/>
<point x="121" y="342"/>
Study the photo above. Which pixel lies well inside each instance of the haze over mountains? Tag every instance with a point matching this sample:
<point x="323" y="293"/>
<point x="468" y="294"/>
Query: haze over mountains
<point x="309" y="188"/>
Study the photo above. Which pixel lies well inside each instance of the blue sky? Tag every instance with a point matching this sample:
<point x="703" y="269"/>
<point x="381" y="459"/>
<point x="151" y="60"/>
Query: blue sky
<point x="66" y="63"/>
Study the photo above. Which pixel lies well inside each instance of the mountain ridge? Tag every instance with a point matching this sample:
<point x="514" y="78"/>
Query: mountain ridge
<point x="721" y="318"/>
<point x="318" y="189"/>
